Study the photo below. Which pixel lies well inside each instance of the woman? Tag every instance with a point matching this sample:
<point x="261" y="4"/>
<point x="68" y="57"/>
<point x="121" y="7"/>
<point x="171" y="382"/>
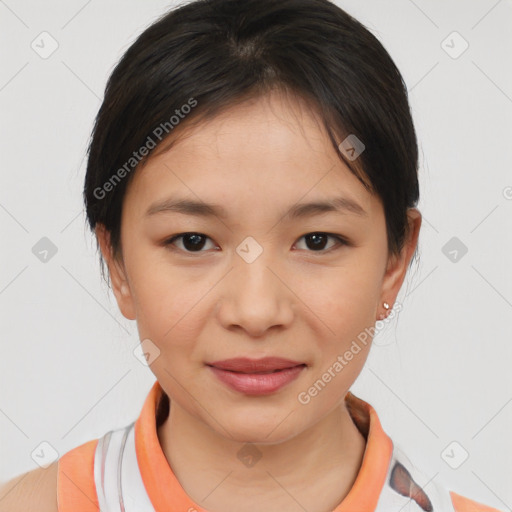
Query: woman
<point x="252" y="184"/>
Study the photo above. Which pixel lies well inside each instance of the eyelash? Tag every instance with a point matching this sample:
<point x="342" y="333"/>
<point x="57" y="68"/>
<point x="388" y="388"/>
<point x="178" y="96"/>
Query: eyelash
<point x="341" y="241"/>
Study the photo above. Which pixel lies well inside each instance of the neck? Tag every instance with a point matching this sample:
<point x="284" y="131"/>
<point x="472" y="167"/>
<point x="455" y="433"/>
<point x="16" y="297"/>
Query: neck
<point x="313" y="470"/>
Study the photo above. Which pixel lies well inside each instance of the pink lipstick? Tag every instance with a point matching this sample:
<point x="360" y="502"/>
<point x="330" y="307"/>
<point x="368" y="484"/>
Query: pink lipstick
<point x="257" y="376"/>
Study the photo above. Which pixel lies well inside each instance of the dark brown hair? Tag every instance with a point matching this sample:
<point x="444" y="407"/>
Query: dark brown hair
<point x="207" y="55"/>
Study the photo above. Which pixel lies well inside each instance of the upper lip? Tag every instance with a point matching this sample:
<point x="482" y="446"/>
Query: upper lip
<point x="247" y="365"/>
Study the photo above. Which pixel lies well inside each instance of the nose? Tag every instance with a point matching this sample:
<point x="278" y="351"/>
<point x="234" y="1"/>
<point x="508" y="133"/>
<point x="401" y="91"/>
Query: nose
<point x="256" y="297"/>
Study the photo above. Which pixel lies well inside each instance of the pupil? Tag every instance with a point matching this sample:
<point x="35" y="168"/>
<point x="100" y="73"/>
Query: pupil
<point x="318" y="240"/>
<point x="197" y="243"/>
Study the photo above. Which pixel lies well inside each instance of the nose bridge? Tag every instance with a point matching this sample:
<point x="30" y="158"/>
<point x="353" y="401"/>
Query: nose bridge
<point x="255" y="298"/>
<point x="253" y="271"/>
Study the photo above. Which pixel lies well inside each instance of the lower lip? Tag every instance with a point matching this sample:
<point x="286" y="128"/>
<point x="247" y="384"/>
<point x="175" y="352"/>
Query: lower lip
<point x="257" y="383"/>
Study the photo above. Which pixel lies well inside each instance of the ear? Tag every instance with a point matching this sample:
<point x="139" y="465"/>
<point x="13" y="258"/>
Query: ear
<point x="117" y="273"/>
<point x="398" y="264"/>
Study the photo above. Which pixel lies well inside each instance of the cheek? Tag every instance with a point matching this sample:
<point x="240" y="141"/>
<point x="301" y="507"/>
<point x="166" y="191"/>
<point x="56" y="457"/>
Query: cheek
<point x="345" y="305"/>
<point x="168" y="302"/>
<point x="343" y="298"/>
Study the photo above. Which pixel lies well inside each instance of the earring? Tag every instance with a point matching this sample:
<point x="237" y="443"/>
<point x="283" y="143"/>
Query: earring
<point x="384" y="315"/>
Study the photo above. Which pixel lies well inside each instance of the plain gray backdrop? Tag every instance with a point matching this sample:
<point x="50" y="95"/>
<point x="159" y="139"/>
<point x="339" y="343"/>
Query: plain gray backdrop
<point x="438" y="375"/>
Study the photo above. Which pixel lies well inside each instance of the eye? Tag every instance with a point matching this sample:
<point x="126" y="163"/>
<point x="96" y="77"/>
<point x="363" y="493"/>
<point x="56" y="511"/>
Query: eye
<point x="317" y="241"/>
<point x="190" y="242"/>
<point x="195" y="242"/>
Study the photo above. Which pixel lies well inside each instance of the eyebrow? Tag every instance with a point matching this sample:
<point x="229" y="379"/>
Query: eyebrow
<point x="300" y="210"/>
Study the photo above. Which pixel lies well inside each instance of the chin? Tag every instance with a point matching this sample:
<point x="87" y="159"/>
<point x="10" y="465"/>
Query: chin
<point x="255" y="429"/>
<point x="254" y="436"/>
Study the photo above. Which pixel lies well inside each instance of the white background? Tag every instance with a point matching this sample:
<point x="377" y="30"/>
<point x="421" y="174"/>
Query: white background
<point x="441" y="373"/>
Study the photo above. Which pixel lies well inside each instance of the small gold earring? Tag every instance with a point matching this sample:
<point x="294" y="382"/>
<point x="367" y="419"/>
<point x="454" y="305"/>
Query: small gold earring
<point x="384" y="315"/>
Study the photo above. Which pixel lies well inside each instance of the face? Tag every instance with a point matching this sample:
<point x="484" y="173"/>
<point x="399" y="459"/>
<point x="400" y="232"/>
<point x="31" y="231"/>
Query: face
<point x="256" y="273"/>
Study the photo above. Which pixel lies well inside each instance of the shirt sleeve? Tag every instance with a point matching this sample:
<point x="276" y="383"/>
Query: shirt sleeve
<point x="462" y="504"/>
<point x="76" y="490"/>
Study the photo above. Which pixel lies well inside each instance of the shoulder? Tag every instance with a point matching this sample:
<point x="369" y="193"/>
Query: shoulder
<point x="67" y="485"/>
<point x="462" y="504"/>
<point x="34" y="491"/>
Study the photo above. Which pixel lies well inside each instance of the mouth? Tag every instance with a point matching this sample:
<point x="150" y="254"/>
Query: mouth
<point x="255" y="366"/>
<point x="257" y="376"/>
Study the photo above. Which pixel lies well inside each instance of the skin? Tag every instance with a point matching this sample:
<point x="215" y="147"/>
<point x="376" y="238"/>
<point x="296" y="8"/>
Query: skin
<point x="256" y="159"/>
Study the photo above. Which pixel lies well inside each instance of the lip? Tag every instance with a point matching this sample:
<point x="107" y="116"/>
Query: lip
<point x="247" y="365"/>
<point x="257" y="376"/>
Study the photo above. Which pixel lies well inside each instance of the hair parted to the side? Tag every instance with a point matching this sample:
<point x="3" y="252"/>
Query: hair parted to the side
<point x="214" y="54"/>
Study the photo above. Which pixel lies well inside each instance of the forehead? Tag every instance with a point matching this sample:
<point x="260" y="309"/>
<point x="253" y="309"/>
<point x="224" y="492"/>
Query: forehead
<point x="266" y="153"/>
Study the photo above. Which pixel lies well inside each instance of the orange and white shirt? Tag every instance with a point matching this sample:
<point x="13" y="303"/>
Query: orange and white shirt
<point x="127" y="471"/>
